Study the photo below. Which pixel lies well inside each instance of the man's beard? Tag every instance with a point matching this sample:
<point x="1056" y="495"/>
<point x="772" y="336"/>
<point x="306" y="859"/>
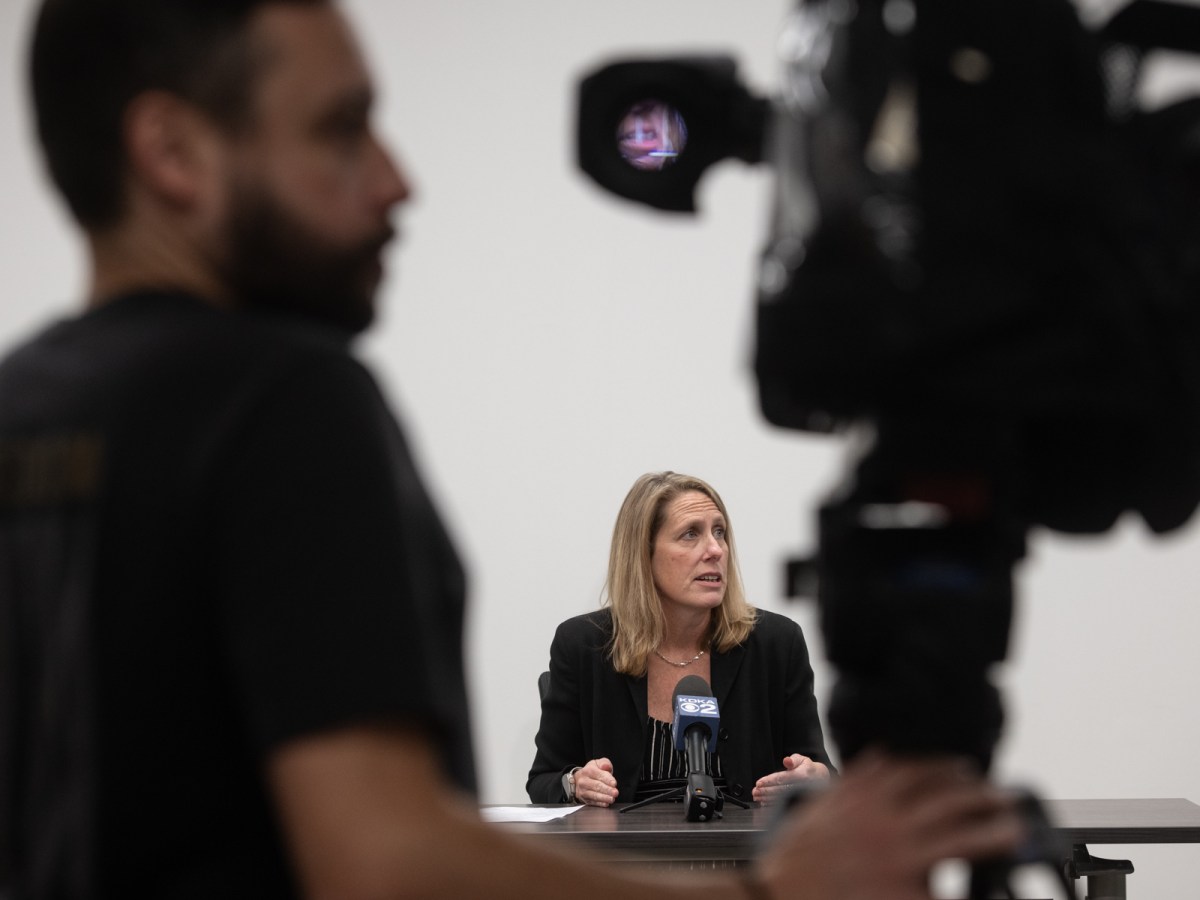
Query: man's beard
<point x="274" y="262"/>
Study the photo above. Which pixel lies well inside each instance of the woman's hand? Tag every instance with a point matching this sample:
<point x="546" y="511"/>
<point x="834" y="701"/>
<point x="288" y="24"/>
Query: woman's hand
<point x="795" y="768"/>
<point x="595" y="784"/>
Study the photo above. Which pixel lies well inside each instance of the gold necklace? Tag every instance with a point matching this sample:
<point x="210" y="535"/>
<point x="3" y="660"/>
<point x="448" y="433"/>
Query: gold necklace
<point x="681" y="665"/>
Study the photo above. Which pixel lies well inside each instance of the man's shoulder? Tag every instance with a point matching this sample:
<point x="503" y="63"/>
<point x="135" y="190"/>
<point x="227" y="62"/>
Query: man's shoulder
<point x="175" y="359"/>
<point x="164" y="326"/>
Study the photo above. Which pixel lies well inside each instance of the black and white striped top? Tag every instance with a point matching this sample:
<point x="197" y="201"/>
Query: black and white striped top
<point x="663" y="767"/>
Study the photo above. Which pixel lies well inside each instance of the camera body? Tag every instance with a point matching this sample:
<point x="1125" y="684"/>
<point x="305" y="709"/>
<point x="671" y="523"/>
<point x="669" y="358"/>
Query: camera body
<point x="985" y="260"/>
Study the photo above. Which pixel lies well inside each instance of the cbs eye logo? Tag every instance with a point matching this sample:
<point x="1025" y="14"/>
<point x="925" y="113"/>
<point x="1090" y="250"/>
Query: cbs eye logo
<point x="701" y="706"/>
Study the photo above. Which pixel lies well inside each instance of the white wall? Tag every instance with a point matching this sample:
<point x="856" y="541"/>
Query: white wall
<point x="546" y="344"/>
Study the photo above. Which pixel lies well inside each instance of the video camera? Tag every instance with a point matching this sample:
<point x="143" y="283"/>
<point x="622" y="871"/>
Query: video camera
<point x="984" y="259"/>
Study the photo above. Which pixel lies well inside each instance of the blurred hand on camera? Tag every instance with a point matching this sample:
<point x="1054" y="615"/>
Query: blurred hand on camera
<point x="880" y="829"/>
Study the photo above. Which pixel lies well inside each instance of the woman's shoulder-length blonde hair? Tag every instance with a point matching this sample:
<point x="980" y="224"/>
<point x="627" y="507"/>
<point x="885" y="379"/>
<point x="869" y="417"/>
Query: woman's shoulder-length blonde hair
<point x="637" y="613"/>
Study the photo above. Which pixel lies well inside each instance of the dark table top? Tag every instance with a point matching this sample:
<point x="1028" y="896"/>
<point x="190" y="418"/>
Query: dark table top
<point x="659" y="831"/>
<point x="1146" y="821"/>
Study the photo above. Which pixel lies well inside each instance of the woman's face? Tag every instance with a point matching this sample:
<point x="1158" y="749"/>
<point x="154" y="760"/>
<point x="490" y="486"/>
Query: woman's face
<point x="690" y="553"/>
<point x="643" y="137"/>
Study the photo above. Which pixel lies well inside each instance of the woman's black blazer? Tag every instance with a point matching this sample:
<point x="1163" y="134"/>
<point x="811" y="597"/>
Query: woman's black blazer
<point x="764" y="691"/>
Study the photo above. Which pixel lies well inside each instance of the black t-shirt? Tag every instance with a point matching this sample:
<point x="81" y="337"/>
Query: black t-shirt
<point x="212" y="540"/>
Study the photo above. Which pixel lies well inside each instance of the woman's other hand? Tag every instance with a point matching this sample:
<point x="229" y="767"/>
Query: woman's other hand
<point x="795" y="768"/>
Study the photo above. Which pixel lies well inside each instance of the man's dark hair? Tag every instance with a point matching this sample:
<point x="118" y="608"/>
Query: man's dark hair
<point x="90" y="58"/>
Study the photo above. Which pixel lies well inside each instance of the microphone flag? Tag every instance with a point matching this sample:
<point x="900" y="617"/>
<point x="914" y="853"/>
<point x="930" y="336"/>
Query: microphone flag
<point x="695" y="707"/>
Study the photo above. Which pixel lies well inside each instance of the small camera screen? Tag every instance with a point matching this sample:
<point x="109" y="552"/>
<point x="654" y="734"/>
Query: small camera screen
<point x="651" y="135"/>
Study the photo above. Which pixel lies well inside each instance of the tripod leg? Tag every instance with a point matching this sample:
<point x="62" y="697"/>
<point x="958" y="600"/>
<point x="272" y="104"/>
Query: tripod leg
<point x="665" y="795"/>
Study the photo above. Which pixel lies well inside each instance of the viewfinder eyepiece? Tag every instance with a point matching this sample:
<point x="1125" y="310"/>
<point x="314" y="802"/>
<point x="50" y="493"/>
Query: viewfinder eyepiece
<point x="649" y="129"/>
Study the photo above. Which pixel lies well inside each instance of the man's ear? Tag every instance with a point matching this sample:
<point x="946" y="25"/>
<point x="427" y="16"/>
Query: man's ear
<point x="173" y="149"/>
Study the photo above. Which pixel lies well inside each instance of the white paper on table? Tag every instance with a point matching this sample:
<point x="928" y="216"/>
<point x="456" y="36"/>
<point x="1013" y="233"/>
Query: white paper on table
<point x="525" y="813"/>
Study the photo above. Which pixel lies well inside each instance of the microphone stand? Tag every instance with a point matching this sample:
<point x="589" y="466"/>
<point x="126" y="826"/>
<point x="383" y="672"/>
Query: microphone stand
<point x="703" y="798"/>
<point x="696" y="706"/>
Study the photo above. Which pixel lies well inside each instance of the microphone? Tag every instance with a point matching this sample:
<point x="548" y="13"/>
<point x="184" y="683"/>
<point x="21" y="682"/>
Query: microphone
<point x="695" y="725"/>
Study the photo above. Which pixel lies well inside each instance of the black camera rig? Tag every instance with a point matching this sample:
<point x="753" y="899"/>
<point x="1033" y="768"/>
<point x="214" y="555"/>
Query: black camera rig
<point x="985" y="261"/>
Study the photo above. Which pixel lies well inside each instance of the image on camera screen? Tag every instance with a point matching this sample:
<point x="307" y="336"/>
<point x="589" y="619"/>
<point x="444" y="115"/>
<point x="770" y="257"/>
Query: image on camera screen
<point x="651" y="135"/>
